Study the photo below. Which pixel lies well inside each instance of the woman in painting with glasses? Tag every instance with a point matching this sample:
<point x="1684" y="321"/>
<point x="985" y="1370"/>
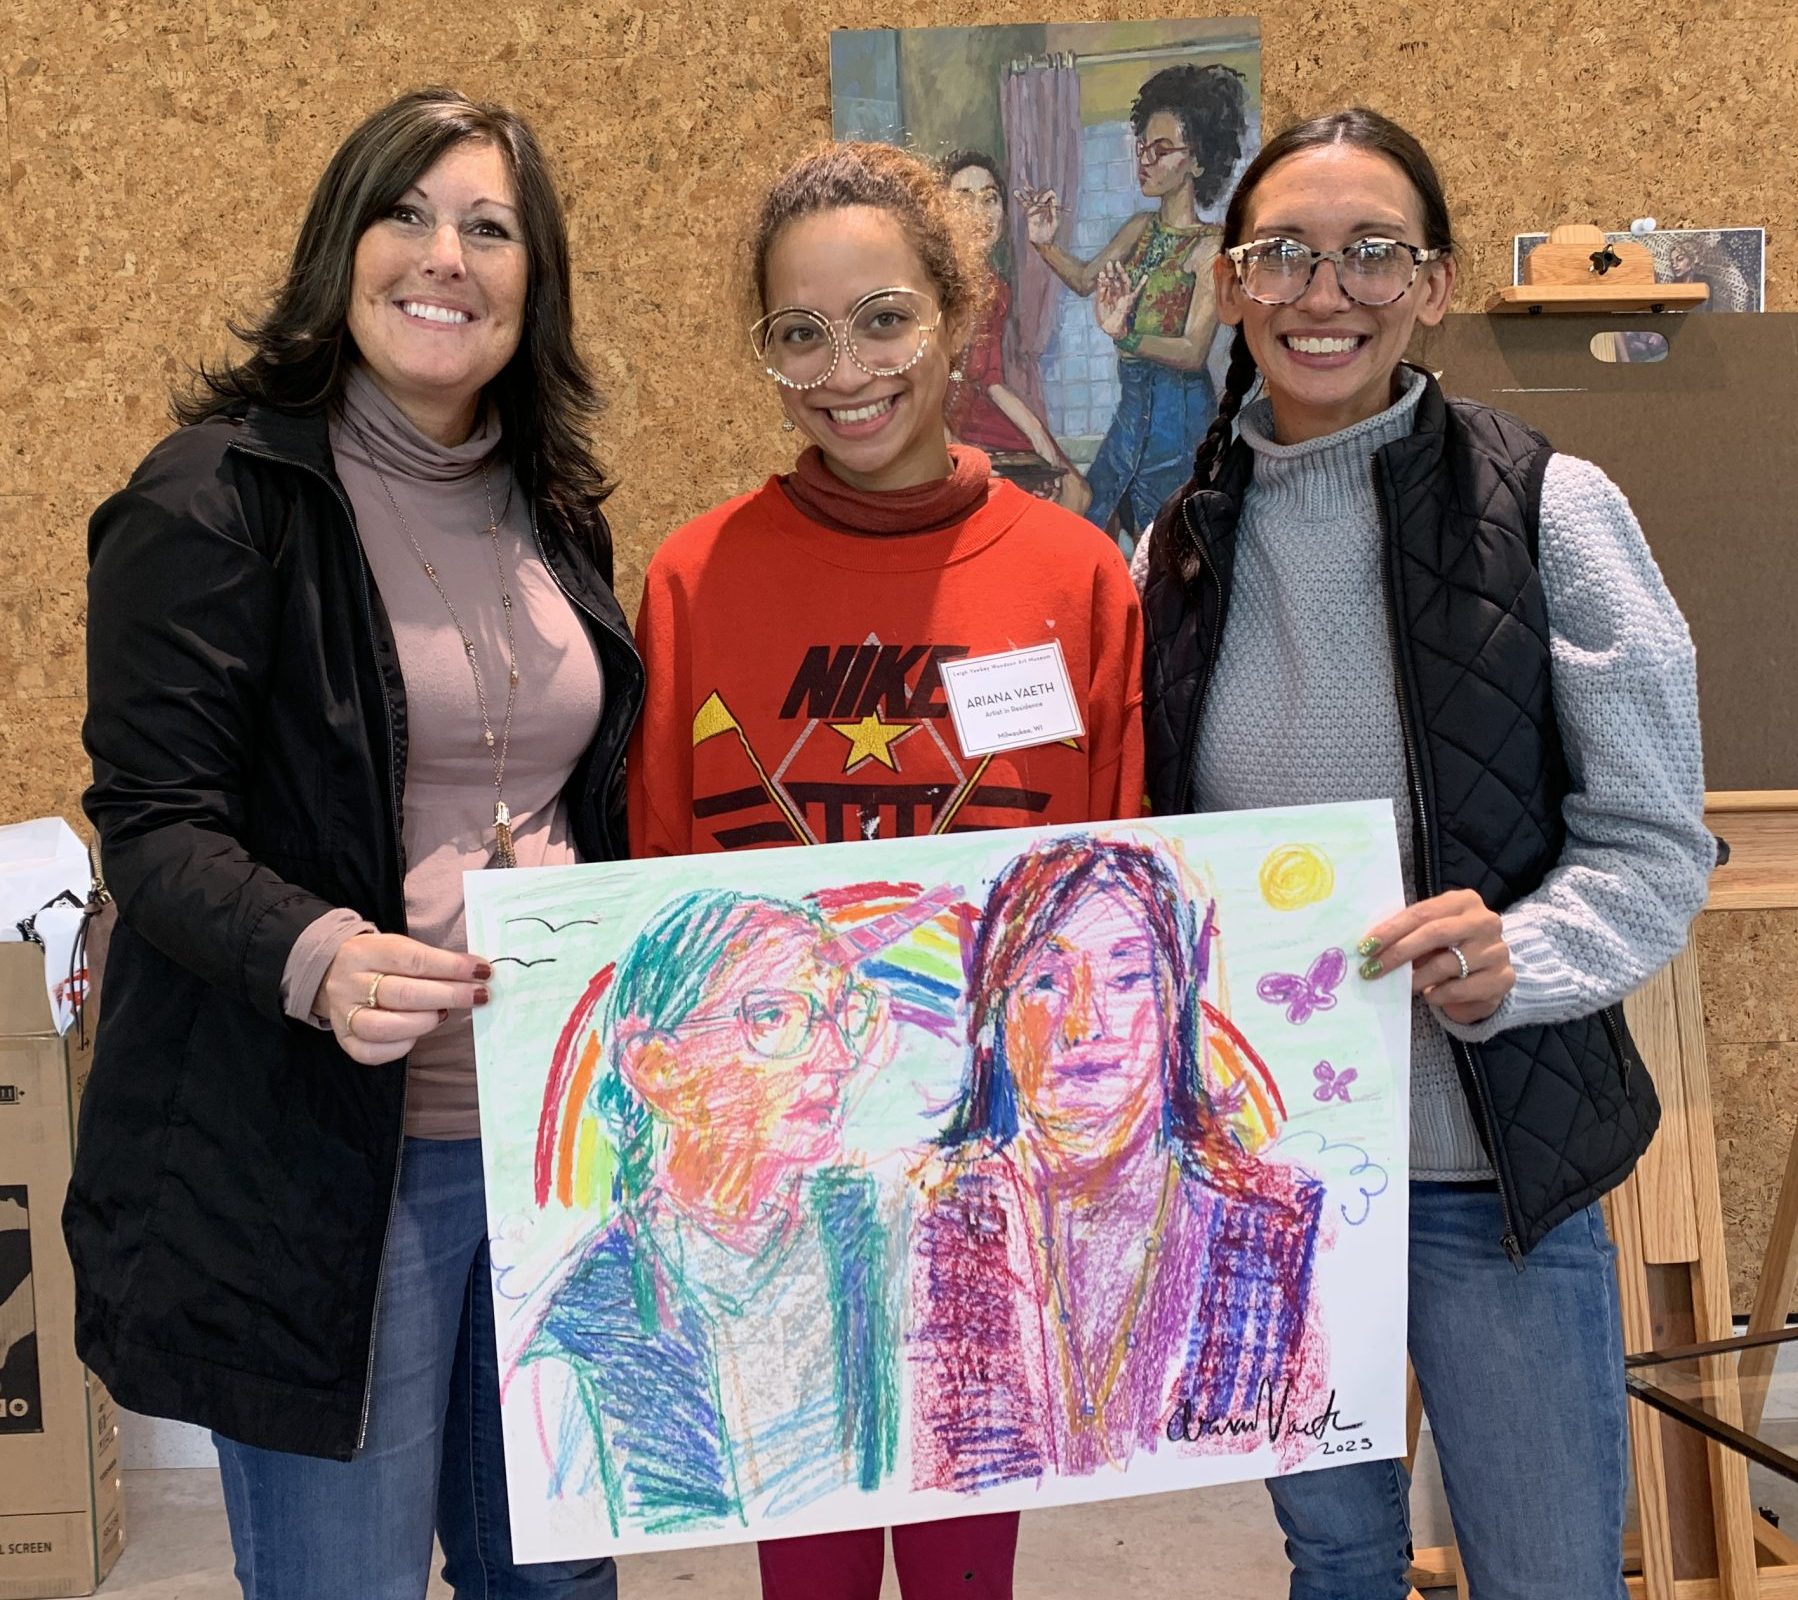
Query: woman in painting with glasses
<point x="794" y="637"/>
<point x="1370" y="592"/>
<point x="730" y="1032"/>
<point x="1153" y="288"/>
<point x="984" y="410"/>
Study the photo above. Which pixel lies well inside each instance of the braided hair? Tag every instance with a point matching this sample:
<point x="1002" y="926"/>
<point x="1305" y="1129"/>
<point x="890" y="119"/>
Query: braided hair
<point x="1239" y="383"/>
<point x="1357" y="126"/>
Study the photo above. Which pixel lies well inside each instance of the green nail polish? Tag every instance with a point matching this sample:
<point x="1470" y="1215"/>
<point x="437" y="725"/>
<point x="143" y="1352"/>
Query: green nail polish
<point x="1370" y="946"/>
<point x="1370" y="968"/>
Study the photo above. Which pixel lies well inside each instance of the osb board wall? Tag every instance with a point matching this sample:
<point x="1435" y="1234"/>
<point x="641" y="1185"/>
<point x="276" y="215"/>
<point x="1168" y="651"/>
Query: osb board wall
<point x="1748" y="969"/>
<point x="156" y="154"/>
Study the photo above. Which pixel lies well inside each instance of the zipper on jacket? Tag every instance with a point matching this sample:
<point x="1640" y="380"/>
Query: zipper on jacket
<point x="395" y="779"/>
<point x="1615" y="1029"/>
<point x="619" y="847"/>
<point x="1426" y="857"/>
<point x="1189" y="778"/>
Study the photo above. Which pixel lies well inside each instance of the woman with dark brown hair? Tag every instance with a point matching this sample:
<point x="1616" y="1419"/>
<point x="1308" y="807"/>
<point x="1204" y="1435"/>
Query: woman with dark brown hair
<point x="1371" y="591"/>
<point x="351" y="633"/>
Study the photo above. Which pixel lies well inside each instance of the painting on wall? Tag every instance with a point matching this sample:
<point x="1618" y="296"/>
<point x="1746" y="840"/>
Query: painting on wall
<point x="1098" y="158"/>
<point x="881" y="1181"/>
<point x="1731" y="261"/>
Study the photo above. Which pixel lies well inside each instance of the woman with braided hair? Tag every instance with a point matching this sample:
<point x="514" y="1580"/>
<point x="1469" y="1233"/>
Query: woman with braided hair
<point x="1373" y="592"/>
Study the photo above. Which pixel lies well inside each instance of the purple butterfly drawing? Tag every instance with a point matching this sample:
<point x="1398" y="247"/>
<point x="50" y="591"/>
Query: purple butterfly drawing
<point x="1331" y="1084"/>
<point x="1302" y="996"/>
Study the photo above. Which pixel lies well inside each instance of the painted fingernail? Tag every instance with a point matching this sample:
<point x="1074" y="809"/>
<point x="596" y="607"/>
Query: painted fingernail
<point x="443" y="1016"/>
<point x="481" y="997"/>
<point x="1370" y="946"/>
<point x="483" y="971"/>
<point x="1370" y="968"/>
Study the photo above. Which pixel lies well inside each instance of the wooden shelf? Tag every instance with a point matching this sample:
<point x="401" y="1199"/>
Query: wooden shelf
<point x="1762" y="874"/>
<point x="1531" y="299"/>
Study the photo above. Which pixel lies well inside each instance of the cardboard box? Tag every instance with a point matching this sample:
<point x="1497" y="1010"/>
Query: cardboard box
<point x="62" y="1521"/>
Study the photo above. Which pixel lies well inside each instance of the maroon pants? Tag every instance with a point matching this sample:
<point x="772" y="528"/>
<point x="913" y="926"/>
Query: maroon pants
<point x="960" y="1558"/>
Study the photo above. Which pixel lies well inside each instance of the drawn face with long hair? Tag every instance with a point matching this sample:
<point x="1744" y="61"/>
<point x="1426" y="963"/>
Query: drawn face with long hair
<point x="761" y="1061"/>
<point x="437" y="293"/>
<point x="1086" y="1028"/>
<point x="978" y="190"/>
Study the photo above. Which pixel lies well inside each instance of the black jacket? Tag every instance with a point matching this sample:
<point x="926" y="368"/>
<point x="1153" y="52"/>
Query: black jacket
<point x="1565" y="1111"/>
<point x="247" y="724"/>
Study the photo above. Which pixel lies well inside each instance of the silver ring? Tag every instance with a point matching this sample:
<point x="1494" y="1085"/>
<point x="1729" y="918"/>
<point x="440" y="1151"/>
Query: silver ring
<point x="1461" y="960"/>
<point x="349" y="1021"/>
<point x="373" y="1002"/>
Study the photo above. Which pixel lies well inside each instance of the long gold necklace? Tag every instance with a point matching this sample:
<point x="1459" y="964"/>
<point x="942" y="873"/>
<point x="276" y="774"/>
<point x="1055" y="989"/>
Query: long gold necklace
<point x="1090" y="1399"/>
<point x="504" y="855"/>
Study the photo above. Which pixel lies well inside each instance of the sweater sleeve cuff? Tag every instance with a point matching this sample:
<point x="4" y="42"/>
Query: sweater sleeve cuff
<point x="1547" y="989"/>
<point x="311" y="957"/>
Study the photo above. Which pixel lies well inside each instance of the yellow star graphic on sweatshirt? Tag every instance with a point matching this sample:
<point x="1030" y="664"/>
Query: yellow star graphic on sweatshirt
<point x="872" y="740"/>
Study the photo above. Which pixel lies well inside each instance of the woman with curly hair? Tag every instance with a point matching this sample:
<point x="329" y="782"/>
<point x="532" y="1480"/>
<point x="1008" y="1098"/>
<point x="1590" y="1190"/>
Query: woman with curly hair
<point x="1153" y="288"/>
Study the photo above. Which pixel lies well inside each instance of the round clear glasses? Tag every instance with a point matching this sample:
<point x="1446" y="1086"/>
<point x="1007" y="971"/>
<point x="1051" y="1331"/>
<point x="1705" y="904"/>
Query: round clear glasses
<point x="782" y="1023"/>
<point x="885" y="333"/>
<point x="1372" y="272"/>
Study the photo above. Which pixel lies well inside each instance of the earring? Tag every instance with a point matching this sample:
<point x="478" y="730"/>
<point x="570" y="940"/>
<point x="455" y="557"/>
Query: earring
<point x="787" y="424"/>
<point x="955" y="373"/>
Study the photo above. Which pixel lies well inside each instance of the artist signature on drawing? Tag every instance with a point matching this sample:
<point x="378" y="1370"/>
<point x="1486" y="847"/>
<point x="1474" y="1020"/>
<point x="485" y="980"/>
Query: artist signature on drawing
<point x="1189" y="1425"/>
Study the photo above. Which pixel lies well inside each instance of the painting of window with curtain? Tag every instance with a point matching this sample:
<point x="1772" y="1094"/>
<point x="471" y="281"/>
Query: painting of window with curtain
<point x="1098" y="158"/>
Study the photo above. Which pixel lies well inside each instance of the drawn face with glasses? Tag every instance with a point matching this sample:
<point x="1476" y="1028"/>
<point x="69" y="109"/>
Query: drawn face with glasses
<point x="1164" y="159"/>
<point x="758" y="1067"/>
<point x="1327" y="284"/>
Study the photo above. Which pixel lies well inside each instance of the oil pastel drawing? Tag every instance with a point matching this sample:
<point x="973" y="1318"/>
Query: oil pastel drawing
<point x="883" y="1181"/>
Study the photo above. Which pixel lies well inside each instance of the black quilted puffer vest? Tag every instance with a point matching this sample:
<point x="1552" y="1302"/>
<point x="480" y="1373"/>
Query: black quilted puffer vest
<point x="1564" y="1111"/>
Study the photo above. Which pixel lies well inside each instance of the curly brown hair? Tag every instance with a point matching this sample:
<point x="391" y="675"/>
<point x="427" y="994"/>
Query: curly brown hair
<point x="894" y="181"/>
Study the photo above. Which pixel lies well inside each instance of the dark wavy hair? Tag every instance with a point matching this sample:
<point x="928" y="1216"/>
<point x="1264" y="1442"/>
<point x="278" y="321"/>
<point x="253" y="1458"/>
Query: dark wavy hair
<point x="1029" y="900"/>
<point x="301" y="348"/>
<point x="999" y="257"/>
<point x="1357" y="126"/>
<point x="1211" y="105"/>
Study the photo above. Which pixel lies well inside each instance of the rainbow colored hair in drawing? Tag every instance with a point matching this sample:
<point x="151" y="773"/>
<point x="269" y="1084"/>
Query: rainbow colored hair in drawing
<point x="595" y="1138"/>
<point x="1028" y="901"/>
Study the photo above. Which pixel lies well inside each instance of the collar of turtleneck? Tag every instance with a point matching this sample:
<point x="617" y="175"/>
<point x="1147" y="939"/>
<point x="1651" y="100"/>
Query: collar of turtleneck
<point x="382" y="434"/>
<point x="1327" y="477"/>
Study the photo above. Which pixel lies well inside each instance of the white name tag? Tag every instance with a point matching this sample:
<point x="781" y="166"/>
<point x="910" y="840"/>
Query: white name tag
<point x="1011" y="700"/>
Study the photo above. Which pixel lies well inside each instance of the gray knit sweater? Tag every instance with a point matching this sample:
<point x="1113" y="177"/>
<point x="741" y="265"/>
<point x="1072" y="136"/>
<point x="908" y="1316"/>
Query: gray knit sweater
<point x="1301" y="710"/>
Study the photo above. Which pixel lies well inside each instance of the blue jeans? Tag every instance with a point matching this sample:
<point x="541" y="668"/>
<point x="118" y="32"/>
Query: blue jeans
<point x="1147" y="451"/>
<point x="1521" y="1371"/>
<point x="305" y="1529"/>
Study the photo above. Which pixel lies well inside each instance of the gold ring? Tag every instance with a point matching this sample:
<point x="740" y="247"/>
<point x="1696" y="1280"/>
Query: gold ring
<point x="374" y="992"/>
<point x="349" y="1021"/>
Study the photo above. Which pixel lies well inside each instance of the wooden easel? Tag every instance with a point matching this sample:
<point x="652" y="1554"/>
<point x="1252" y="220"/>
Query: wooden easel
<point x="1700" y="1537"/>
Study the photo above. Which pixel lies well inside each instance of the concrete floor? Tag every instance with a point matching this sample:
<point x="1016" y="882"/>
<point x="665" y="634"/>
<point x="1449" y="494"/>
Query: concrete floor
<point x="1211" y="1542"/>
